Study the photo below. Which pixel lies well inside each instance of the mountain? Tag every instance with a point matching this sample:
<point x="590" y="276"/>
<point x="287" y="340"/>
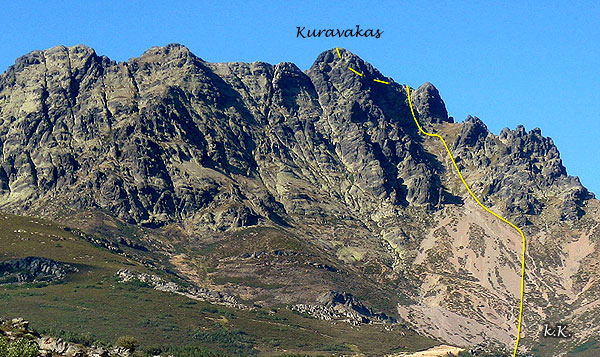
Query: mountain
<point x="284" y="187"/>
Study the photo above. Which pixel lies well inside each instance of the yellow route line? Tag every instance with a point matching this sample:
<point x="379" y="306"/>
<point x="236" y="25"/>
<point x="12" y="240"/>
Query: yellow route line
<point x="377" y="80"/>
<point x="484" y="207"/>
<point x="474" y="197"/>
<point x="360" y="74"/>
<point x="353" y="70"/>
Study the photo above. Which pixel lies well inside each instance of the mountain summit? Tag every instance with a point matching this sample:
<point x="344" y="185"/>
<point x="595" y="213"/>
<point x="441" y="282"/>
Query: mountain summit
<point x="170" y="142"/>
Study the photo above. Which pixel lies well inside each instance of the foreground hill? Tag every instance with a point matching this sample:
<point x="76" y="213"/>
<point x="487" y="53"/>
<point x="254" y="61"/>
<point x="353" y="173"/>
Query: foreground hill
<point x="308" y="190"/>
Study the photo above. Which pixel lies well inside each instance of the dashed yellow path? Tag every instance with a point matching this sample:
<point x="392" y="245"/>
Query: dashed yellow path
<point x="474" y="197"/>
<point x="355" y="71"/>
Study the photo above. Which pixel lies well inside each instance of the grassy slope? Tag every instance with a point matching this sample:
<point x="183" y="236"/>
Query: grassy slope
<point x="91" y="301"/>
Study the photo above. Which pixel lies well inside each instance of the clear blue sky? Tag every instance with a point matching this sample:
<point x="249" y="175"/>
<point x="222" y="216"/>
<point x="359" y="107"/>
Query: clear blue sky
<point x="509" y="64"/>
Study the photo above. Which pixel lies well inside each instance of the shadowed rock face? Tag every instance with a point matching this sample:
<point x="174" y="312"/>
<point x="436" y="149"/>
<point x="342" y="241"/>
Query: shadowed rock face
<point x="430" y="105"/>
<point x="333" y="157"/>
<point x="168" y="137"/>
<point x="33" y="269"/>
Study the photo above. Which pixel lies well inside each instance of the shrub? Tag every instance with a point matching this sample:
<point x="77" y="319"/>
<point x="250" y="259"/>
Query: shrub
<point x="18" y="348"/>
<point x="85" y="338"/>
<point x="3" y="346"/>
<point x="128" y="342"/>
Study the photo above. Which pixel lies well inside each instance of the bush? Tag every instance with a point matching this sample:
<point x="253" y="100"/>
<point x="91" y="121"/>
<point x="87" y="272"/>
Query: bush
<point x="3" y="346"/>
<point x="236" y="342"/>
<point x="128" y="342"/>
<point x="85" y="339"/>
<point x="135" y="285"/>
<point x="18" y="348"/>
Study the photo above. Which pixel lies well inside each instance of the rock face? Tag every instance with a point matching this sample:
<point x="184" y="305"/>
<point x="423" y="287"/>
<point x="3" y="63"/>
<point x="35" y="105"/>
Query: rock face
<point x="168" y="137"/>
<point x="325" y="155"/>
<point x="33" y="270"/>
<point x="520" y="169"/>
<point x="344" y="307"/>
<point x="202" y="294"/>
<point x="429" y="104"/>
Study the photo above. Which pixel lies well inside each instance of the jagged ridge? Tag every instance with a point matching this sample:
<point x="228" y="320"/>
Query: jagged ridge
<point x="168" y="137"/>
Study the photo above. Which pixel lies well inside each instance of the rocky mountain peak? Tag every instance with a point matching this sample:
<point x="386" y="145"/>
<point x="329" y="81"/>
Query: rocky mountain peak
<point x="429" y="104"/>
<point x="330" y="65"/>
<point x="473" y="131"/>
<point x="170" y="52"/>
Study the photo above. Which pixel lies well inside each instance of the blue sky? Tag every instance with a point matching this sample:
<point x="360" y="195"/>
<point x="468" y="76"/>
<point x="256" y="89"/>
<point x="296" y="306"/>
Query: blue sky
<point x="509" y="64"/>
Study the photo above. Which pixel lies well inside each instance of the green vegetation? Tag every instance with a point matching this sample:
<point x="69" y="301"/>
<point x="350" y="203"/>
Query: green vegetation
<point x="217" y="310"/>
<point x="482" y="354"/>
<point x="236" y="341"/>
<point x="91" y="308"/>
<point x="590" y="348"/>
<point x="86" y="339"/>
<point x="18" y="348"/>
<point x="128" y="342"/>
<point x="181" y="351"/>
